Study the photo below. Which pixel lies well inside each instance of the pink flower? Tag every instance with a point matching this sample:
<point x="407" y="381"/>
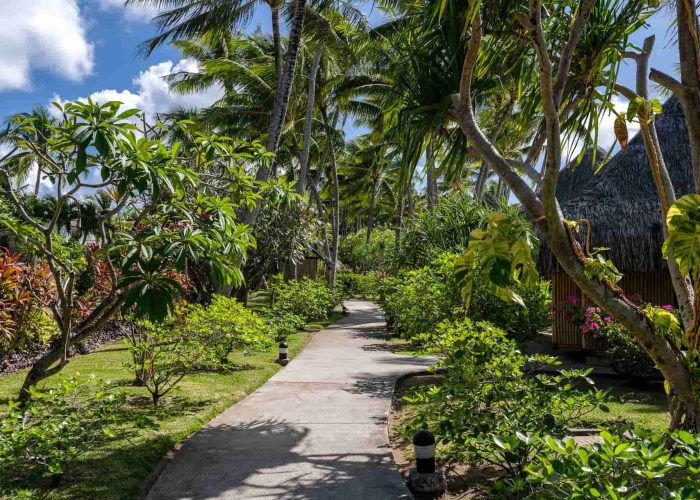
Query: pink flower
<point x="597" y="309"/>
<point x="573" y="298"/>
<point x="594" y="325"/>
<point x="584" y="329"/>
<point x="668" y="307"/>
<point x="595" y="335"/>
<point x="607" y="319"/>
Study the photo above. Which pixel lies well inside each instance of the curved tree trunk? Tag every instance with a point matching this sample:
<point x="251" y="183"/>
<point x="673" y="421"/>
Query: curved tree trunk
<point x="544" y="207"/>
<point x="304" y="160"/>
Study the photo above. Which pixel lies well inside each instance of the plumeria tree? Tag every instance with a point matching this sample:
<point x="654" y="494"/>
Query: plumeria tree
<point x="165" y="216"/>
<point x="572" y="50"/>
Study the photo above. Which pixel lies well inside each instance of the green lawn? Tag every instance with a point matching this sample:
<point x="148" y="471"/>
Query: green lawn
<point x="119" y="469"/>
<point x="646" y="409"/>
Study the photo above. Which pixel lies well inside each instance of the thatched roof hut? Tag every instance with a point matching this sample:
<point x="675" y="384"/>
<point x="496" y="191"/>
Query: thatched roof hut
<point x="622" y="204"/>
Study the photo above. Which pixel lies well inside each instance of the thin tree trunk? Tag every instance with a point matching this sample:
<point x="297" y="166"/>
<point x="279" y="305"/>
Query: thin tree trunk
<point x="399" y="222"/>
<point x="370" y="212"/>
<point x="304" y="161"/>
<point x="37" y="186"/>
<point x="431" y="181"/>
<point x="481" y="181"/>
<point x="281" y="103"/>
<point x="335" y="216"/>
<point x="662" y="179"/>
<point x="358" y="224"/>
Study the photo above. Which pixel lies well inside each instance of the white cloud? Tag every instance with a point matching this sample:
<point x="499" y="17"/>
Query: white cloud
<point x="42" y="34"/>
<point x="153" y="95"/>
<point x="132" y="12"/>
<point x="606" y="125"/>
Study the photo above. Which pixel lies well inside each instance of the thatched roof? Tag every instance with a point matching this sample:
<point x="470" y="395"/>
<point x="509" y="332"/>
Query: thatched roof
<point x="622" y="202"/>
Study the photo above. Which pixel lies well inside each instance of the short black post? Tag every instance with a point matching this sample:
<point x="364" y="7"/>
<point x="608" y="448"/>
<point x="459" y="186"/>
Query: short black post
<point x="424" y="449"/>
<point x="282" y="358"/>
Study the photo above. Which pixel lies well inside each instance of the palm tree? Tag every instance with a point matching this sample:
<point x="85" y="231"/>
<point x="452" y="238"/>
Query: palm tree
<point x="368" y="176"/>
<point x="40" y="133"/>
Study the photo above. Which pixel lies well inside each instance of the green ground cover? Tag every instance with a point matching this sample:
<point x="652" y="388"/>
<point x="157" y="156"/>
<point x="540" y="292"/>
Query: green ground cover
<point x="119" y="469"/>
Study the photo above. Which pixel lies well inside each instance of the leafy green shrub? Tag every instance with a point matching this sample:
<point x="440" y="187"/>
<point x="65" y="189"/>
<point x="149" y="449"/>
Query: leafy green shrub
<point x="361" y="285"/>
<point x="310" y="299"/>
<point x="518" y="321"/>
<point x="162" y="354"/>
<point x="361" y="256"/>
<point x="633" y="464"/>
<point x="625" y="352"/>
<point x="444" y="229"/>
<point x="226" y="325"/>
<point x="57" y="426"/>
<point x="416" y="301"/>
<point x="280" y="324"/>
<point x="488" y="399"/>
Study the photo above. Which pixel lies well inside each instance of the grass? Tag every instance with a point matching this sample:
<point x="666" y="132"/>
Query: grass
<point x="646" y="409"/>
<point x="118" y="469"/>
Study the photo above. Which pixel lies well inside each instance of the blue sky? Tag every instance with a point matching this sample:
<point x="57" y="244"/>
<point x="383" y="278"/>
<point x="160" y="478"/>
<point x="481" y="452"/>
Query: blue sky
<point x="76" y="48"/>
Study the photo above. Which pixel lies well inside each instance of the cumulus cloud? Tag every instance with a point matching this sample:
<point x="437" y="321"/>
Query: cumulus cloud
<point x="152" y="93"/>
<point x="132" y="12"/>
<point x="42" y="34"/>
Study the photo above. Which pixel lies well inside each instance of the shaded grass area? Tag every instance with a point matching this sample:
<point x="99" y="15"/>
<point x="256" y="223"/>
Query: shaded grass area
<point x="119" y="468"/>
<point x="645" y="408"/>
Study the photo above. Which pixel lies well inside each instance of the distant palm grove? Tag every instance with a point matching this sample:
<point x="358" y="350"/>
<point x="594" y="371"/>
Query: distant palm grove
<point x="446" y="164"/>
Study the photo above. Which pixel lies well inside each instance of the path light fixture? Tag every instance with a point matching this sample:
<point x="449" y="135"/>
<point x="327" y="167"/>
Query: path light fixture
<point x="282" y="358"/>
<point x="425" y="479"/>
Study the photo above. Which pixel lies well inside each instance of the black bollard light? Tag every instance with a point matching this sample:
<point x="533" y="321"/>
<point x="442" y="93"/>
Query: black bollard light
<point x="424" y="449"/>
<point x="282" y="357"/>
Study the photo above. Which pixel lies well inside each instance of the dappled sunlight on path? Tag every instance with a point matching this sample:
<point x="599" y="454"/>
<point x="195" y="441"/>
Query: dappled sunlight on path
<point x="316" y="430"/>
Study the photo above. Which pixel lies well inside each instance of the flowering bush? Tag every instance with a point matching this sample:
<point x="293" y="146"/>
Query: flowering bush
<point x="626" y="354"/>
<point x="572" y="309"/>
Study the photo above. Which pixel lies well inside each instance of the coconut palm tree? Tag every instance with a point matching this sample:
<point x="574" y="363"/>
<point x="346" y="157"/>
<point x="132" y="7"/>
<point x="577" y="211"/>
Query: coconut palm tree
<point x="368" y="175"/>
<point x="40" y="133"/>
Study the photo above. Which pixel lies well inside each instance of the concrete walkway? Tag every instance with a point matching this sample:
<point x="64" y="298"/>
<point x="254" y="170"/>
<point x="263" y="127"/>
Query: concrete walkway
<point x="315" y="430"/>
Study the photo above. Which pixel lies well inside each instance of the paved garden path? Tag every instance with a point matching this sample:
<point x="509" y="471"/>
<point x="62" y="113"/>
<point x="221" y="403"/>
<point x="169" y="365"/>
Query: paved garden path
<point x="315" y="430"/>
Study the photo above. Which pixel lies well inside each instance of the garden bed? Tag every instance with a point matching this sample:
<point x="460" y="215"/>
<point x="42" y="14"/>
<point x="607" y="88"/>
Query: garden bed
<point x="643" y="404"/>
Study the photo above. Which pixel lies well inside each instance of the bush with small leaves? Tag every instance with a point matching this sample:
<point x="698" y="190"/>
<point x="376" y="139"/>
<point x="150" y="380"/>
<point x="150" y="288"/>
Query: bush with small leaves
<point x="489" y="398"/>
<point x="622" y="465"/>
<point x="310" y="299"/>
<point x="280" y="325"/>
<point x="224" y="326"/>
<point x="48" y="435"/>
<point x="361" y="285"/>
<point x="162" y="354"/>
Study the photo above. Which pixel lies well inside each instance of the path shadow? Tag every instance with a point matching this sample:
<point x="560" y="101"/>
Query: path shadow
<point x="261" y="459"/>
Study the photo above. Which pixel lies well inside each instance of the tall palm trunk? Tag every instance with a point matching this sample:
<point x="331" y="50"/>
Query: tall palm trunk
<point x="431" y="181"/>
<point x="370" y="211"/>
<point x="335" y="199"/>
<point x="399" y="222"/>
<point x="281" y="103"/>
<point x="304" y="161"/>
<point x="37" y="186"/>
<point x="277" y="39"/>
